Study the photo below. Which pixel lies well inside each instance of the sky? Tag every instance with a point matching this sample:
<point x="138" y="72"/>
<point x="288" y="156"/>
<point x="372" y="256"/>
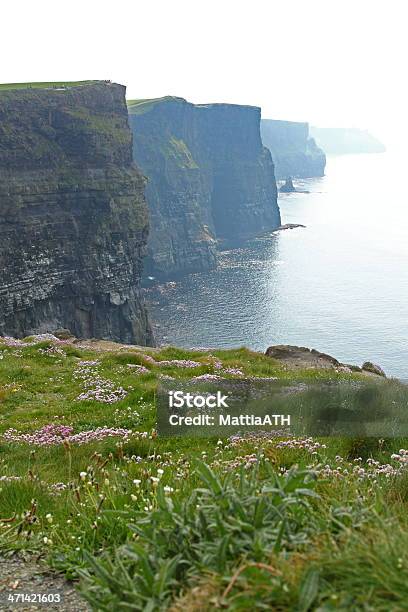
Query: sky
<point x="338" y="63"/>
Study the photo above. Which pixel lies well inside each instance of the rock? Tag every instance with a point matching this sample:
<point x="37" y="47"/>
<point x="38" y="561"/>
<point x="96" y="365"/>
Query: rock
<point x="344" y="368"/>
<point x="368" y="366"/>
<point x="287" y="226"/>
<point x="288" y="186"/>
<point x="353" y="368"/>
<point x="73" y="217"/>
<point x="63" y="334"/>
<point x="210" y="179"/>
<point x="301" y="357"/>
<point x="293" y="151"/>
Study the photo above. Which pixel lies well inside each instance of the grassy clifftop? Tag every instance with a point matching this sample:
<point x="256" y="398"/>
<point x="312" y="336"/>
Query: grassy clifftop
<point x="203" y="524"/>
<point x="45" y="85"/>
<point x="138" y="107"/>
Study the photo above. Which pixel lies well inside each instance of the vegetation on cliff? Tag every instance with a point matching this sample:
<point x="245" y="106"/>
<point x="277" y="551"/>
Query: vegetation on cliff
<point x="46" y="85"/>
<point x="146" y="523"/>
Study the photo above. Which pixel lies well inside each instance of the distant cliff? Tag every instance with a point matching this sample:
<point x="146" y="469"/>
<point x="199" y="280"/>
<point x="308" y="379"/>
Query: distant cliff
<point x="73" y="218"/>
<point x="294" y="153"/>
<point x="340" y="141"/>
<point x="209" y="178"/>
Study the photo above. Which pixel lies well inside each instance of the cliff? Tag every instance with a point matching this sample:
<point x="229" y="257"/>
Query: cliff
<point x="294" y="153"/>
<point x="209" y="178"/>
<point x="341" y="141"/>
<point x="73" y="218"/>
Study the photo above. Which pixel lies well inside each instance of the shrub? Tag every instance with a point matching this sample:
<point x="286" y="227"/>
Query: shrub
<point x="215" y="527"/>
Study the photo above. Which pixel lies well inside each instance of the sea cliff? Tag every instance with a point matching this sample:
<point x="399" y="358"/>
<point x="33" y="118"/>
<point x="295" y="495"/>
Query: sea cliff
<point x="293" y="151"/>
<point x="73" y="218"/>
<point x="209" y="179"/>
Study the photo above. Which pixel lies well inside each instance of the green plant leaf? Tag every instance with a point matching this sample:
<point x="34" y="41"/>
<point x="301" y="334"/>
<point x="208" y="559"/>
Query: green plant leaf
<point x="309" y="589"/>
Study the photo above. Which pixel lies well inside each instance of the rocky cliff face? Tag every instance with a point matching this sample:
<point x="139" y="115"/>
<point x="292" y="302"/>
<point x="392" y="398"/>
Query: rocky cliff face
<point x="73" y="219"/>
<point x="209" y="178"/>
<point x="293" y="152"/>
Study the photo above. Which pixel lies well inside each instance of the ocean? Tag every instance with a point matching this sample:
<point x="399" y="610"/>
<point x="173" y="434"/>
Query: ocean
<point x="339" y="285"/>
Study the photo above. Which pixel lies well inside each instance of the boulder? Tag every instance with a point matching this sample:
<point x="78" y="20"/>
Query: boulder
<point x="369" y="366"/>
<point x="63" y="334"/>
<point x="301" y="357"/>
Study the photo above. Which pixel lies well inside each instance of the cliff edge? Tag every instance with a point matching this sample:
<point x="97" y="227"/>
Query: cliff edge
<point x="73" y="218"/>
<point x="293" y="151"/>
<point x="209" y="178"/>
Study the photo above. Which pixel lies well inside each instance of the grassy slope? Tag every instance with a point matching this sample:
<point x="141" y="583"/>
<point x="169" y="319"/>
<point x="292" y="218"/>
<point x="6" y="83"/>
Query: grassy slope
<point x="139" y="107"/>
<point x="339" y="545"/>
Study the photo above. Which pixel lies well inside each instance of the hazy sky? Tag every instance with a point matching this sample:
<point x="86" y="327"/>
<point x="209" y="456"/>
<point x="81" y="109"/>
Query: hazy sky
<point x="331" y="62"/>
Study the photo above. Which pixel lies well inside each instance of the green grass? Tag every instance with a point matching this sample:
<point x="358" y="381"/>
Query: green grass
<point x="139" y="107"/>
<point x="178" y="150"/>
<point x="45" y="85"/>
<point x="199" y="524"/>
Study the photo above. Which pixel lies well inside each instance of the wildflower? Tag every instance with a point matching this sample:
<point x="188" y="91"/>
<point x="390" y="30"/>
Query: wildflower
<point x="179" y="363"/>
<point x="168" y="490"/>
<point x="208" y="377"/>
<point x="49" y="517"/>
<point x="137" y="482"/>
<point x="82" y="475"/>
<point x="52" y="435"/>
<point x="139" y="369"/>
<point x="233" y="371"/>
<point x="95" y="387"/>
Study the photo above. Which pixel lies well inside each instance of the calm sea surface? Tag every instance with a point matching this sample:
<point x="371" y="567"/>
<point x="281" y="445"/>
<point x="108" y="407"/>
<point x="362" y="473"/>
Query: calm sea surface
<point x="340" y="285"/>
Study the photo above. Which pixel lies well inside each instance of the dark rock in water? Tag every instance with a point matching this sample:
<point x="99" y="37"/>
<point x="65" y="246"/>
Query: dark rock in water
<point x="288" y="186"/>
<point x="210" y="178"/>
<point x="368" y="366"/>
<point x="300" y="357"/>
<point x="73" y="218"/>
<point x="293" y="151"/>
<point x="287" y="226"/>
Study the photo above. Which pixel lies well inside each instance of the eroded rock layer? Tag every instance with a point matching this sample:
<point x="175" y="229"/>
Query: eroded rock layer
<point x="73" y="218"/>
